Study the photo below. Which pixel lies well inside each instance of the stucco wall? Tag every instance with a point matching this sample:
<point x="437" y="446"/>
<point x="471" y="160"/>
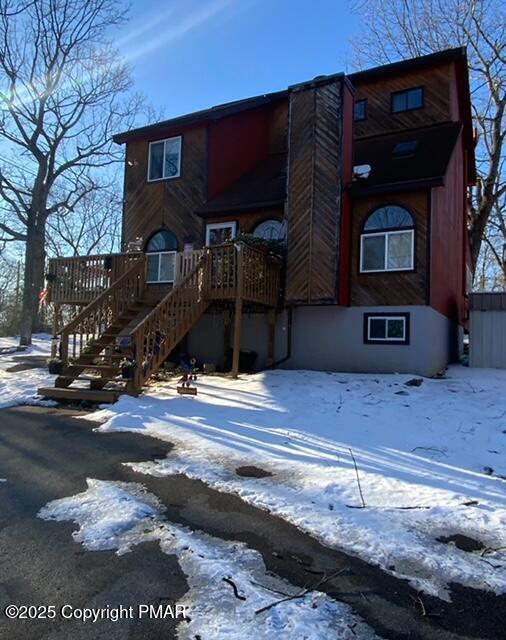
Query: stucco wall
<point x="206" y="339"/>
<point x="330" y="338"/>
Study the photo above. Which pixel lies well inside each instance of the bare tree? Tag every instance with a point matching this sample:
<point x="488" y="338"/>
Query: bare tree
<point x="396" y="29"/>
<point x="63" y="92"/>
<point x="94" y="226"/>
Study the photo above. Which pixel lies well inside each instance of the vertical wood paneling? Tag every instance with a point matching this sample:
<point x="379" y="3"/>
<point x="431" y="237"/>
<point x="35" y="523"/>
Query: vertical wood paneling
<point x="314" y="193"/>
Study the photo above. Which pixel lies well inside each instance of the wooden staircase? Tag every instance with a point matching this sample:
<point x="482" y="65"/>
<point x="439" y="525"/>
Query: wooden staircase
<point x="124" y="321"/>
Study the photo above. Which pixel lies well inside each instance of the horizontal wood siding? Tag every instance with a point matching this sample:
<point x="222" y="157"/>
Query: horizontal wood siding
<point x="438" y="106"/>
<point x="407" y="288"/>
<point x="169" y="204"/>
<point x="314" y="193"/>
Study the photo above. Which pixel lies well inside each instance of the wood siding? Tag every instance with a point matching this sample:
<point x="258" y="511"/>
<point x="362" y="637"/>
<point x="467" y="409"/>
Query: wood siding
<point x="165" y="204"/>
<point x="448" y="241"/>
<point x="439" y="101"/>
<point x="406" y="288"/>
<point x="314" y="193"/>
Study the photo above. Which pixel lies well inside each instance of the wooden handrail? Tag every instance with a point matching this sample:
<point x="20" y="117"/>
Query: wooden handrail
<point x="161" y="330"/>
<point x="103" y="311"/>
<point x="80" y="279"/>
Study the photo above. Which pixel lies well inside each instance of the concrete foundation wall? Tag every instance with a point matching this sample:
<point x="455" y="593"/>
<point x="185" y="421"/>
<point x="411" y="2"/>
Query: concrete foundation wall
<point x="330" y="338"/>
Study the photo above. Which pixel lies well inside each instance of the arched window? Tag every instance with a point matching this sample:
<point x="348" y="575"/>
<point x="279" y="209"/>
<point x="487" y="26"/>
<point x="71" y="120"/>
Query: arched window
<point x="270" y="230"/>
<point x="387" y="242"/>
<point x="161" y="251"/>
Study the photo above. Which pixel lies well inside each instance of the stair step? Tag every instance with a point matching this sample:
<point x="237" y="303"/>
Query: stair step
<point x="88" y="378"/>
<point x="77" y="395"/>
<point x="92" y="367"/>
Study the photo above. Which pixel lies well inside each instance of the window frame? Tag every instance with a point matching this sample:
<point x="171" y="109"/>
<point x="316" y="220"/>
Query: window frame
<point x="210" y="226"/>
<point x="404" y="316"/>
<point x="159" y="254"/>
<point x="386" y="233"/>
<point x="406" y="91"/>
<point x="164" y="140"/>
<point x="364" y="102"/>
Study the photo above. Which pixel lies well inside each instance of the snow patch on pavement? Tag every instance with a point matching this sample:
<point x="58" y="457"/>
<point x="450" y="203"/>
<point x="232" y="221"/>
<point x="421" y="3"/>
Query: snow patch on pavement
<point x="118" y="515"/>
<point x="20" y="387"/>
<point x="423" y="454"/>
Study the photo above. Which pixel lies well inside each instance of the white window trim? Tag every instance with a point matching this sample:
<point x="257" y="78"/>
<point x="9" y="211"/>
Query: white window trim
<point x="164" y="140"/>
<point x="386" y="234"/>
<point x="220" y="225"/>
<point x="387" y="318"/>
<point x="162" y="253"/>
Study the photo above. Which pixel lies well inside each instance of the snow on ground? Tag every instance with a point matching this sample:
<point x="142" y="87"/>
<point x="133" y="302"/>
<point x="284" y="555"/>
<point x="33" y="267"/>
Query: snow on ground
<point x="116" y="515"/>
<point x="422" y="455"/>
<point x="21" y="387"/>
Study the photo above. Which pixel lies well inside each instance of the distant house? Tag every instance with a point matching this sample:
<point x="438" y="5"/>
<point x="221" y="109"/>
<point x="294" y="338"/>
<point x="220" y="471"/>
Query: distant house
<point x="362" y="177"/>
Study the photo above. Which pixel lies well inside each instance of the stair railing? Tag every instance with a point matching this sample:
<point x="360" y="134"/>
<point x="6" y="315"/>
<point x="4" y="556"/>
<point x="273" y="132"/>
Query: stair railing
<point x="161" y="330"/>
<point x="100" y="314"/>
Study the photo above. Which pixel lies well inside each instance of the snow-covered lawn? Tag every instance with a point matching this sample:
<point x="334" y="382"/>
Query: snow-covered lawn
<point x="115" y="515"/>
<point x="21" y="387"/>
<point x="428" y="460"/>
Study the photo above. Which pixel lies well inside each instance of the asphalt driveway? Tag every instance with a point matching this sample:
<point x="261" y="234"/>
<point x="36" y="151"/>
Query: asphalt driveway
<point x="47" y="454"/>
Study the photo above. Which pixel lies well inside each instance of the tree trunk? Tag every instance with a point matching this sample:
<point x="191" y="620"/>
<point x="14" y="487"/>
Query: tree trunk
<point x="33" y="281"/>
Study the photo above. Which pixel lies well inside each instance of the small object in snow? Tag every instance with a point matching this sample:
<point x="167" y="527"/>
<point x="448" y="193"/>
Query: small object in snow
<point x="185" y="386"/>
<point x="250" y="471"/>
<point x="414" y="382"/>
<point x="488" y="470"/>
<point x="331" y="507"/>
<point x="401" y="393"/>
<point x="462" y="542"/>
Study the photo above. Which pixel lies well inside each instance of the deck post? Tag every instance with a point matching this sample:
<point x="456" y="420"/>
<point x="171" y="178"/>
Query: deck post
<point x="271" y="321"/>
<point x="238" y="310"/>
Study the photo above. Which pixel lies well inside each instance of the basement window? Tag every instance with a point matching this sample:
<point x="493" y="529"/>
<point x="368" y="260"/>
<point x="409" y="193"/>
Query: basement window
<point x="388" y="328"/>
<point x="164" y="159"/>
<point x="360" y="110"/>
<point x="407" y="100"/>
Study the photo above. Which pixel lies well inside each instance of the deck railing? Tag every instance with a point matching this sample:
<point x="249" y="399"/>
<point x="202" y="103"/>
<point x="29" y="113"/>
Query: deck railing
<point x="80" y="279"/>
<point x="101" y="314"/>
<point x="261" y="274"/>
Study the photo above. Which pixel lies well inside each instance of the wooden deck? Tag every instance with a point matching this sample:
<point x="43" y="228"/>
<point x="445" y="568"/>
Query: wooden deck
<point x="149" y="329"/>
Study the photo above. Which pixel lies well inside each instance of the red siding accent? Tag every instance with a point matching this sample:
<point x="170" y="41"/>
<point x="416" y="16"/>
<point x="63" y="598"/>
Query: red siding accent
<point x="236" y="145"/>
<point x="449" y="240"/>
<point x="347" y="174"/>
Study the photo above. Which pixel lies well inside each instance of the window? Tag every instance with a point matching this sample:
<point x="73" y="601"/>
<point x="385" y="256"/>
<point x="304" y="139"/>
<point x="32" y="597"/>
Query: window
<point x="161" y="254"/>
<point x="407" y="100"/>
<point x="270" y="230"/>
<point x="388" y="328"/>
<point x="164" y="159"/>
<point x="387" y="240"/>
<point x="405" y="149"/>
<point x="360" y="110"/>
<point x="219" y="232"/>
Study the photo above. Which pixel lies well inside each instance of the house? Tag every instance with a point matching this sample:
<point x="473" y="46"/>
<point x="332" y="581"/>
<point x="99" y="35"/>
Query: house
<point x="363" y="177"/>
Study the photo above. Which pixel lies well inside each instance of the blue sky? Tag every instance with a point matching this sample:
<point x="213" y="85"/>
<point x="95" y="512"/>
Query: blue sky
<point x="192" y="54"/>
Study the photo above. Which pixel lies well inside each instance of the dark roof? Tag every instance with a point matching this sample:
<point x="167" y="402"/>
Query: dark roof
<point x="426" y="166"/>
<point x="487" y="301"/>
<point x="261" y="188"/>
<point x="205" y="115"/>
<point x="441" y="57"/>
